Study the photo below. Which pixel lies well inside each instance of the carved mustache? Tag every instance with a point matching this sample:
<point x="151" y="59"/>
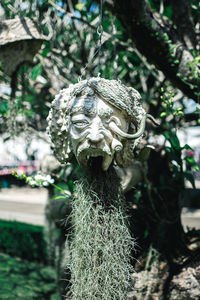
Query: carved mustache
<point x="86" y="145"/>
<point x="116" y="145"/>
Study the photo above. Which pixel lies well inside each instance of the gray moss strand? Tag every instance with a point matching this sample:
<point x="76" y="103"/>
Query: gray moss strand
<point x="100" y="250"/>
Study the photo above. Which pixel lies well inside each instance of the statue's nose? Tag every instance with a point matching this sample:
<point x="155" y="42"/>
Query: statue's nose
<point x="95" y="135"/>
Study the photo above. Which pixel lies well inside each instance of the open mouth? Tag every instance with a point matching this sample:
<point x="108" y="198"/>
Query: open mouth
<point x="95" y="158"/>
<point x="95" y="162"/>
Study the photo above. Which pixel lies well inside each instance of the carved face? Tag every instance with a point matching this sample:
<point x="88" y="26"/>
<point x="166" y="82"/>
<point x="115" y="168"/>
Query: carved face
<point x="89" y="130"/>
<point x="96" y="118"/>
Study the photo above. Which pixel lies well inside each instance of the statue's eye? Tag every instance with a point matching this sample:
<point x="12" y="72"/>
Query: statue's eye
<point x="80" y="123"/>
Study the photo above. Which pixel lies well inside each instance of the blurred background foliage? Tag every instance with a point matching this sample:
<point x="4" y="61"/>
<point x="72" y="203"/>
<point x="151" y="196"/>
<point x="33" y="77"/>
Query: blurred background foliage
<point x="72" y="53"/>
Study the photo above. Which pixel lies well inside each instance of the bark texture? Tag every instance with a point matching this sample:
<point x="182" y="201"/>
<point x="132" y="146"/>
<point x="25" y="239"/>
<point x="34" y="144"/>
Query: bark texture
<point x="165" y="43"/>
<point x="186" y="285"/>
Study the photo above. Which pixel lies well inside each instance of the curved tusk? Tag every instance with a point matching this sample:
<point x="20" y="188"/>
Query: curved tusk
<point x="116" y="145"/>
<point x="113" y="126"/>
<point x="153" y="120"/>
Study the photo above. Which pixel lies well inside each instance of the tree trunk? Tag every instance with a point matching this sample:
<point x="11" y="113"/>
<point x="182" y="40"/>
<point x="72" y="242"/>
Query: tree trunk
<point x="165" y="265"/>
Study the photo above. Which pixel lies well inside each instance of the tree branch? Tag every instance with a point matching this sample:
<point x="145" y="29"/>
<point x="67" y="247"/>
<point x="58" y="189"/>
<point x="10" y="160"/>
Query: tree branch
<point x="184" y="23"/>
<point x="159" y="42"/>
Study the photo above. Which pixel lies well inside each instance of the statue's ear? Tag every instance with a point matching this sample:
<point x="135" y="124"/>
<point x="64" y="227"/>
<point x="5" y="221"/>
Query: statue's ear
<point x="144" y="153"/>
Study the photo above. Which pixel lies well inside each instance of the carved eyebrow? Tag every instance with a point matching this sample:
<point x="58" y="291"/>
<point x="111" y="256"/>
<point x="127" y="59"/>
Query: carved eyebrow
<point x="83" y="110"/>
<point x="105" y="113"/>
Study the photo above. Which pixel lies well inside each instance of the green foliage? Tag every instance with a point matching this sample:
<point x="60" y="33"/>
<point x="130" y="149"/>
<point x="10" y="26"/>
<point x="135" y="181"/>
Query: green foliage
<point x="79" y="6"/>
<point x="22" y="280"/>
<point x="177" y="155"/>
<point x="195" y="70"/>
<point x="22" y="240"/>
<point x="167" y="101"/>
<point x="155" y="4"/>
<point x="72" y="52"/>
<point x="4" y="107"/>
<point x="37" y="70"/>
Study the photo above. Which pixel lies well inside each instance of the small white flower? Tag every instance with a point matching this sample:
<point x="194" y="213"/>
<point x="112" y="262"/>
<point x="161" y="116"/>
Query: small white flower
<point x="38" y="177"/>
<point x="32" y="182"/>
<point x="51" y="180"/>
<point x="48" y="177"/>
<point x="40" y="180"/>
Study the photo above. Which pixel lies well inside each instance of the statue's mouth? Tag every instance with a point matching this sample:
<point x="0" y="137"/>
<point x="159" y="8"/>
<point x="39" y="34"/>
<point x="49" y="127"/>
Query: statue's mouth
<point x="92" y="157"/>
<point x="95" y="163"/>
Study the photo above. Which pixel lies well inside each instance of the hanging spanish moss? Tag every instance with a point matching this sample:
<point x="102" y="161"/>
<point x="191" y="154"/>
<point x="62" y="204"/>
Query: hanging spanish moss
<point x="11" y="119"/>
<point x="101" y="245"/>
<point x="16" y="119"/>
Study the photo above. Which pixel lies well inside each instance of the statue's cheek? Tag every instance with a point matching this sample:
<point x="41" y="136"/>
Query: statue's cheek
<point x="78" y="133"/>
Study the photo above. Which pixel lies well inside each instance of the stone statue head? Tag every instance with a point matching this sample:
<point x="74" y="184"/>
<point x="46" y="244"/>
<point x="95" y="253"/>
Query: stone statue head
<point x="96" y="118"/>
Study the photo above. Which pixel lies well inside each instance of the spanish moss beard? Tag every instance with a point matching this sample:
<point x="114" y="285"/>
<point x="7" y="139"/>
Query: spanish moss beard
<point x="101" y="245"/>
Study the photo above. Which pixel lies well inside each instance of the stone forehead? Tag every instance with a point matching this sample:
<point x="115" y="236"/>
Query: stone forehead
<point x="91" y="104"/>
<point x="117" y="94"/>
<point x="112" y="91"/>
<point x="124" y="98"/>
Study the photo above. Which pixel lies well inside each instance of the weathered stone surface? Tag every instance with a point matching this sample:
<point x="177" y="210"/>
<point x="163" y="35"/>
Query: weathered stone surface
<point x="131" y="175"/>
<point x="186" y="285"/>
<point x="20" y="40"/>
<point x="14" y="30"/>
<point x="97" y="117"/>
<point x="50" y="165"/>
<point x="149" y="283"/>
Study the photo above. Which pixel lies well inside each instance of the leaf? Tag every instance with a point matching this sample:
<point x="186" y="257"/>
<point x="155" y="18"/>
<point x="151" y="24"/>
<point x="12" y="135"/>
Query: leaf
<point x="180" y="113"/>
<point x="190" y="178"/>
<point x="186" y="146"/>
<point x="196" y="168"/>
<point x="4" y="107"/>
<point x="174" y="141"/>
<point x="80" y="6"/>
<point x="59" y="197"/>
<point x="191" y="161"/>
<point x="6" y="139"/>
<point x="168" y="149"/>
<point x="37" y="70"/>
<point x="197" y="109"/>
<point x="45" y="52"/>
<point x="70" y="184"/>
<point x="163" y="114"/>
<point x="168" y="11"/>
<point x="166" y="135"/>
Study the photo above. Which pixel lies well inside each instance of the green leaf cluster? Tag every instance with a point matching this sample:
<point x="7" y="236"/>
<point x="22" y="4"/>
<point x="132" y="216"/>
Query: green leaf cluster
<point x="20" y="279"/>
<point x="168" y="107"/>
<point x="23" y="240"/>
